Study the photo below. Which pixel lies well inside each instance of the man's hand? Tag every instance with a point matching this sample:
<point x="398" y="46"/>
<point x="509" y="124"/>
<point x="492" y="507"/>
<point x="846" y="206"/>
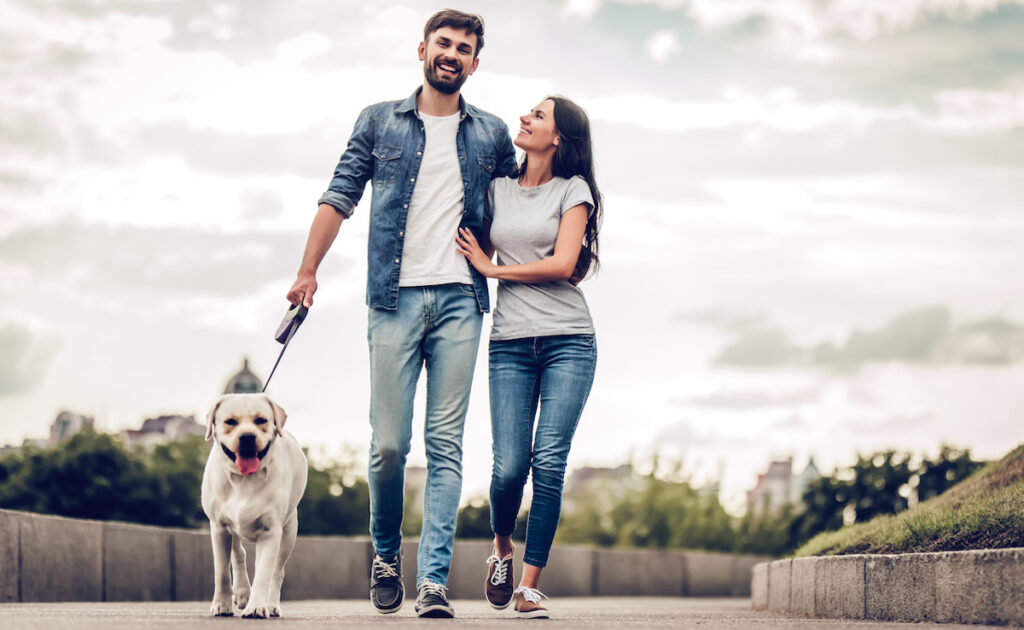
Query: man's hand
<point x="303" y="289"/>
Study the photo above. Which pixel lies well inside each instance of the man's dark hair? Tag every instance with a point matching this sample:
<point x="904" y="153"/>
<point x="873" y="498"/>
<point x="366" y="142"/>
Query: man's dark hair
<point x="469" y="22"/>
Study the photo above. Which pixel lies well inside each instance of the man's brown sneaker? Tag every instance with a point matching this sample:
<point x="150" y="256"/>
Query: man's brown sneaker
<point x="528" y="604"/>
<point x="498" y="587"/>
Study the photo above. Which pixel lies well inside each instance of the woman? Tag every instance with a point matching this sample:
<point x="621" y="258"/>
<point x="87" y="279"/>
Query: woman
<point x="544" y="227"/>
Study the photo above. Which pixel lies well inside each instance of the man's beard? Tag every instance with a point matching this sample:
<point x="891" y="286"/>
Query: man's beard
<point x="445" y="87"/>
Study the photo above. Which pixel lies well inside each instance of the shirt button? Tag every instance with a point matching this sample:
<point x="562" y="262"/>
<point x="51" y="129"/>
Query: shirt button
<point x="406" y="206"/>
<point x="401" y="233"/>
<point x="396" y="261"/>
<point x="419" y="153"/>
<point x="412" y="179"/>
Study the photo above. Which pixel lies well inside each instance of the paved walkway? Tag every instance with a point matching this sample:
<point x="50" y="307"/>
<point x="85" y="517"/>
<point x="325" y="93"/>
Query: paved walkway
<point x="615" y="613"/>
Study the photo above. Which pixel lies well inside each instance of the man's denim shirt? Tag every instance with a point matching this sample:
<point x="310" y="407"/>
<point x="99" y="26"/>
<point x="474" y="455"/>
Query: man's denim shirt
<point x="387" y="146"/>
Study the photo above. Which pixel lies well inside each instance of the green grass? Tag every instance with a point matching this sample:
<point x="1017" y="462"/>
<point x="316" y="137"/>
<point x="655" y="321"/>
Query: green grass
<point x="984" y="511"/>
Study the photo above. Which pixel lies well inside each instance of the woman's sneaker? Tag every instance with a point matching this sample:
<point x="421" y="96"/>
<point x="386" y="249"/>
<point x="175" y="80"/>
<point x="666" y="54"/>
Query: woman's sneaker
<point x="498" y="587"/>
<point x="386" y="589"/>
<point x="433" y="601"/>
<point x="528" y="604"/>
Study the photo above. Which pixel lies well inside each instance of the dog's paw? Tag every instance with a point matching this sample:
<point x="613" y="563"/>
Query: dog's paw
<point x="275" y="611"/>
<point x="252" y="611"/>
<point x="221" y="609"/>
<point x="241" y="598"/>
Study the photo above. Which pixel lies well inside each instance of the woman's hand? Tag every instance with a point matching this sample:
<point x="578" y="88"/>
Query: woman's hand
<point x="466" y="244"/>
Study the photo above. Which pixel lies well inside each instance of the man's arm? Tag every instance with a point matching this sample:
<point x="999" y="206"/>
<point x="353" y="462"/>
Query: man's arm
<point x="321" y="235"/>
<point x="507" y="166"/>
<point x="354" y="168"/>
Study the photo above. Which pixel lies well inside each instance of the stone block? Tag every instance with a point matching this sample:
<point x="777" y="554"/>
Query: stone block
<point x="328" y="568"/>
<point x="743" y="573"/>
<point x="639" y="572"/>
<point x="193" y="566"/>
<point x="469" y="569"/>
<point x="710" y="574"/>
<point x="10" y="572"/>
<point x="136" y="563"/>
<point x="980" y="587"/>
<point x="779" y="585"/>
<point x="801" y="596"/>
<point x="901" y="587"/>
<point x="759" y="586"/>
<point x="839" y="587"/>
<point x="569" y="573"/>
<point x="61" y="559"/>
<point x="409" y="567"/>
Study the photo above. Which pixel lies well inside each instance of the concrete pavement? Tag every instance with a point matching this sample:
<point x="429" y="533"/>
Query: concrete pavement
<point x="597" y="613"/>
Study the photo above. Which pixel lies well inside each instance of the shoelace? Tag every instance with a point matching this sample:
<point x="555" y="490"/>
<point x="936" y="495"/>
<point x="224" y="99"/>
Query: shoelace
<point x="383" y="569"/>
<point x="500" y="574"/>
<point x="531" y="595"/>
<point x="431" y="588"/>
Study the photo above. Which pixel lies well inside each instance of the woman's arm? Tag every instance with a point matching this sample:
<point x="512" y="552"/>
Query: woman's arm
<point x="558" y="266"/>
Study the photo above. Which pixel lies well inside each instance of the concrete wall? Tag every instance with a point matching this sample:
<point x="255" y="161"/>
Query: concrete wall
<point x="950" y="587"/>
<point x="50" y="559"/>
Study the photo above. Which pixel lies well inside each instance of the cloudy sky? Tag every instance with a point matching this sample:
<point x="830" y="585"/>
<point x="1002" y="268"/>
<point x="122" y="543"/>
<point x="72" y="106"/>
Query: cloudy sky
<point x="812" y="244"/>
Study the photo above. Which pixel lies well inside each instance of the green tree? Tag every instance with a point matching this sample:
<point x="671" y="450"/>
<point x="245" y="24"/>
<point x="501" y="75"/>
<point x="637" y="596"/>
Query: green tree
<point x="474" y="520"/>
<point x="950" y="467"/>
<point x="877" y="483"/>
<point x="336" y="502"/>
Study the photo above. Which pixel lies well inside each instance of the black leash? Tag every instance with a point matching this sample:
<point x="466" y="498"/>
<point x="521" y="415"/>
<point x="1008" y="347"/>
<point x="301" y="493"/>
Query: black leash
<point x="285" y="331"/>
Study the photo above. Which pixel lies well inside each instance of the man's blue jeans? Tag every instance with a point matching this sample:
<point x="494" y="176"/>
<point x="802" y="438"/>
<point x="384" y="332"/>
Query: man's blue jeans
<point x="555" y="374"/>
<point x="437" y="327"/>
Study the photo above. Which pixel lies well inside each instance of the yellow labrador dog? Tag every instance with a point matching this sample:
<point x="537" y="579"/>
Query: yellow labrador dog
<point x="254" y="478"/>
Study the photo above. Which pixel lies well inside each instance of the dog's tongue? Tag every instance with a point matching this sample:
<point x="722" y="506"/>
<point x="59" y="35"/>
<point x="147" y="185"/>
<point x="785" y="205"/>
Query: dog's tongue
<point x="247" y="465"/>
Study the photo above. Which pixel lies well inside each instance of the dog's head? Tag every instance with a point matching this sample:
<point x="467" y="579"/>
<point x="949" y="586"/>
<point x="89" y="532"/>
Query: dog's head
<point x="244" y="425"/>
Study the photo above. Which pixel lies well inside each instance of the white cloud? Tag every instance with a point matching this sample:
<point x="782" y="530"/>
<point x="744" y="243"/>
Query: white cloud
<point x="816" y="19"/>
<point x="783" y="109"/>
<point x="309" y="45"/>
<point x="662" y="45"/>
<point x="581" y="8"/>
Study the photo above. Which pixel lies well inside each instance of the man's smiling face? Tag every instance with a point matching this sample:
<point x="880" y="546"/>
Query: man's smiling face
<point x="449" y="57"/>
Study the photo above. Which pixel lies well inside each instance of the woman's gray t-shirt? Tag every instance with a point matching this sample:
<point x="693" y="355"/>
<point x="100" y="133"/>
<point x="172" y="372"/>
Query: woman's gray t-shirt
<point x="524" y="227"/>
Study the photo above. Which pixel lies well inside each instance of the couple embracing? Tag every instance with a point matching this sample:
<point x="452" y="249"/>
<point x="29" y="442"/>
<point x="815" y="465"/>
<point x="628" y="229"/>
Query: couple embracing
<point x="447" y="194"/>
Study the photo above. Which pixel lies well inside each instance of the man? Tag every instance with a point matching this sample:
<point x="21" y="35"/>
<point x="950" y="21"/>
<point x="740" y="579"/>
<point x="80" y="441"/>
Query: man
<point x="431" y="158"/>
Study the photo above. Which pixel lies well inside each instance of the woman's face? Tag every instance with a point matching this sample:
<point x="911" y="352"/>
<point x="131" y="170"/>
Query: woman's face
<point x="537" y="129"/>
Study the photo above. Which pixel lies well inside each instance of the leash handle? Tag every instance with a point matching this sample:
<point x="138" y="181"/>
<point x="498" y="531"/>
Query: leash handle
<point x="293" y="318"/>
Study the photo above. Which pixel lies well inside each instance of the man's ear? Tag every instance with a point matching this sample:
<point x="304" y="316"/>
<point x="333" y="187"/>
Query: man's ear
<point x="209" y="419"/>
<point x="279" y="415"/>
<point x="422" y="51"/>
<point x="476" y="62"/>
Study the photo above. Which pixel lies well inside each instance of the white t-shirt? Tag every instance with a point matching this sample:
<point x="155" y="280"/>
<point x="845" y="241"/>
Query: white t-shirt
<point x="435" y="211"/>
<point x="524" y="228"/>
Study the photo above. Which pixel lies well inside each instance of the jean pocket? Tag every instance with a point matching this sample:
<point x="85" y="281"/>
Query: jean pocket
<point x="385" y="164"/>
<point x="467" y="289"/>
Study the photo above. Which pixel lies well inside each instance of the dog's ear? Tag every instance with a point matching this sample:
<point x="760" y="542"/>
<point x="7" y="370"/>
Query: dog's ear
<point x="279" y="415"/>
<point x="209" y="419"/>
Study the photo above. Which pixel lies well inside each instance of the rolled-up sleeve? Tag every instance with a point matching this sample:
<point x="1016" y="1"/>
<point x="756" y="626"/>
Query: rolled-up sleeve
<point x="355" y="167"/>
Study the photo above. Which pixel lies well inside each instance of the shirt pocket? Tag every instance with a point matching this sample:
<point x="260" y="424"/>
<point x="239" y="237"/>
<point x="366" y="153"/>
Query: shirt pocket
<point x="385" y="163"/>
<point x="487" y="165"/>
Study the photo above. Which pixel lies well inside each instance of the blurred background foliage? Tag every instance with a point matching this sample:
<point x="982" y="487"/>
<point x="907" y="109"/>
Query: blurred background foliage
<point x="92" y="475"/>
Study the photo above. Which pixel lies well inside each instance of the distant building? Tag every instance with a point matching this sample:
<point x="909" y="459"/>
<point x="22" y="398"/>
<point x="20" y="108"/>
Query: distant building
<point x="64" y="426"/>
<point x="778" y="486"/>
<point x="609" y="484"/>
<point x="245" y="382"/>
<point x="67" y="424"/>
<point x="161" y="430"/>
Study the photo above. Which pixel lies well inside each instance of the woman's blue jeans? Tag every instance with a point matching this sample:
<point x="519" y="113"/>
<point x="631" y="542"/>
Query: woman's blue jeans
<point x="552" y="375"/>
